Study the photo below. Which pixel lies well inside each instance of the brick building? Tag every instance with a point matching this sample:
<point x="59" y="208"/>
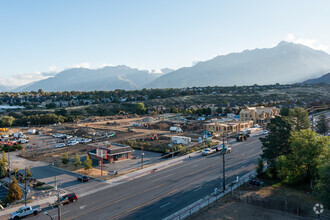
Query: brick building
<point x="115" y="152"/>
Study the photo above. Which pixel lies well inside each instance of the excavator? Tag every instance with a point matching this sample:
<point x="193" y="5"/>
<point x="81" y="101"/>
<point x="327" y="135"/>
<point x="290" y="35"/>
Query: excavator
<point x="153" y="137"/>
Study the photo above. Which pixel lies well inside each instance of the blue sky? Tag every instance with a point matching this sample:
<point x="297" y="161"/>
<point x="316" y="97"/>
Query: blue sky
<point x="42" y="35"/>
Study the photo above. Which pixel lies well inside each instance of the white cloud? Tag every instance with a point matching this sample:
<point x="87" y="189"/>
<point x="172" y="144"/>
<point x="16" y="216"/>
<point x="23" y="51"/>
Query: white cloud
<point x="22" y="79"/>
<point x="157" y="71"/>
<point x="104" y="65"/>
<point x="53" y="69"/>
<point x="307" y="42"/>
<point x="80" y="65"/>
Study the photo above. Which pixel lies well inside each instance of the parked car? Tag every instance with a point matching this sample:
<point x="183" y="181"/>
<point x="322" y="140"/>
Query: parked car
<point x="83" y="178"/>
<point x="85" y="140"/>
<point x="264" y="132"/>
<point x="72" y="143"/>
<point x="60" y="145"/>
<point x="208" y="151"/>
<point x="25" y="211"/>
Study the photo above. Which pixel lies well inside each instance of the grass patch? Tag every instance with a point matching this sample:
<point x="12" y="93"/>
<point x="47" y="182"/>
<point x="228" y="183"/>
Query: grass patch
<point x="44" y="187"/>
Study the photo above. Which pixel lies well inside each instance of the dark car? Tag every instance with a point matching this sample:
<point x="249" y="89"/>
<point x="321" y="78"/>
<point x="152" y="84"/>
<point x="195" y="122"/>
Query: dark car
<point x="68" y="198"/>
<point x="83" y="178"/>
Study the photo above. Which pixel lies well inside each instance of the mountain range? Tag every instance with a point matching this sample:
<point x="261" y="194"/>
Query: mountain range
<point x="83" y="79"/>
<point x="323" y="79"/>
<point x="284" y="63"/>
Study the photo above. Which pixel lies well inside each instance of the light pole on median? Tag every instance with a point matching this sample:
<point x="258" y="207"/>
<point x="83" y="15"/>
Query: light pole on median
<point x="142" y="154"/>
<point x="46" y="213"/>
<point x="55" y="187"/>
<point x="223" y="164"/>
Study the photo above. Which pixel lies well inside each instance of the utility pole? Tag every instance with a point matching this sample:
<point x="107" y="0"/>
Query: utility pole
<point x="55" y="187"/>
<point x="25" y="187"/>
<point x="59" y="206"/>
<point x="223" y="164"/>
<point x="312" y="118"/>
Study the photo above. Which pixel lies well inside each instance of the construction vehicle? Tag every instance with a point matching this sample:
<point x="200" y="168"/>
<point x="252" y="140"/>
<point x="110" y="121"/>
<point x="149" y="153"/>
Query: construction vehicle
<point x="153" y="137"/>
<point x="241" y="137"/>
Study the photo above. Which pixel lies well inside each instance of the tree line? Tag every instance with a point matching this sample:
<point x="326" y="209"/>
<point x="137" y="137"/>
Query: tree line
<point x="297" y="155"/>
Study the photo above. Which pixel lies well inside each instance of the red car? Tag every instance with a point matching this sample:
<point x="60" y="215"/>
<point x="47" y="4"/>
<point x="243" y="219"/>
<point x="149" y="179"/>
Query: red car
<point x="69" y="198"/>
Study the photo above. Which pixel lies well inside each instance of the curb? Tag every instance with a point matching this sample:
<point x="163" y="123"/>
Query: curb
<point x="207" y="200"/>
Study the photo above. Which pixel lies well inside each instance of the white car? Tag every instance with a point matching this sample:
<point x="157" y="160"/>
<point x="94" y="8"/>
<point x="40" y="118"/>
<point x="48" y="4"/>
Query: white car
<point x="86" y="140"/>
<point x="265" y="132"/>
<point x="208" y="151"/>
<point x="60" y="145"/>
<point x="72" y="143"/>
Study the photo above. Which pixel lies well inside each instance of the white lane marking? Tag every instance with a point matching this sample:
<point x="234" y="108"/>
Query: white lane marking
<point x="165" y="205"/>
<point x="162" y="177"/>
<point x="195" y="165"/>
<point x="197" y="189"/>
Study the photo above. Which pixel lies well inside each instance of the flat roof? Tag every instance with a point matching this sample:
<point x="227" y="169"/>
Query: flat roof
<point x="112" y="148"/>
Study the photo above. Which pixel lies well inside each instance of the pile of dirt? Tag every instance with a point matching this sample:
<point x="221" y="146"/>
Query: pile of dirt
<point x="163" y="125"/>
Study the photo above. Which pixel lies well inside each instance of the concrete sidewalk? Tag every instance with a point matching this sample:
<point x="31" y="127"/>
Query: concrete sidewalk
<point x="151" y="169"/>
<point x="5" y="213"/>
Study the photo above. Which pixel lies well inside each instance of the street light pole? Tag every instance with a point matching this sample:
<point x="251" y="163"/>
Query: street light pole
<point x="223" y="164"/>
<point x="59" y="206"/>
<point x="46" y="213"/>
<point x="55" y="187"/>
<point x="142" y="154"/>
<point x="25" y="179"/>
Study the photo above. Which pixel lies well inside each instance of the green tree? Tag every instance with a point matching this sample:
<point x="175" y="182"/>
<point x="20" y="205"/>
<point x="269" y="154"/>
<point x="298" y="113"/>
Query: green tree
<point x="28" y="172"/>
<point x="14" y="192"/>
<point x="309" y="152"/>
<point x="260" y="166"/>
<point x="219" y="110"/>
<point x="76" y="160"/>
<point x="322" y="186"/>
<point x="3" y="169"/>
<point x="51" y="105"/>
<point x="276" y="143"/>
<point x="228" y="110"/>
<point x="299" y="118"/>
<point x="4" y="157"/>
<point x="88" y="163"/>
<point x="65" y="159"/>
<point x="284" y="111"/>
<point x="140" y="108"/>
<point x="6" y="121"/>
<point x="322" y="126"/>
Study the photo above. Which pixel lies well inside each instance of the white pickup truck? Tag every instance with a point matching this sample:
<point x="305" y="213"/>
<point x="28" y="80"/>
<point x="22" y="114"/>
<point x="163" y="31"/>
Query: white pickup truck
<point x="25" y="211"/>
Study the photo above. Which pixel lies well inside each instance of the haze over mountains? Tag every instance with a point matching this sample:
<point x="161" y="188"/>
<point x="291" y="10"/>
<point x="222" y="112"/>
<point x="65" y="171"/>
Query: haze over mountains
<point x="83" y="79"/>
<point x="284" y="63"/>
<point x="323" y="79"/>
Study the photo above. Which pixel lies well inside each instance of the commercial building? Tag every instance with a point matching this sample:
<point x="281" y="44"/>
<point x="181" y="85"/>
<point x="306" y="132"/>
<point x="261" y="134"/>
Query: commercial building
<point x="259" y="115"/>
<point x="115" y="152"/>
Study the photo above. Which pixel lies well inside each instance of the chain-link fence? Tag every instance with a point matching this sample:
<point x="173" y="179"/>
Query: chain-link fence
<point x="203" y="203"/>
